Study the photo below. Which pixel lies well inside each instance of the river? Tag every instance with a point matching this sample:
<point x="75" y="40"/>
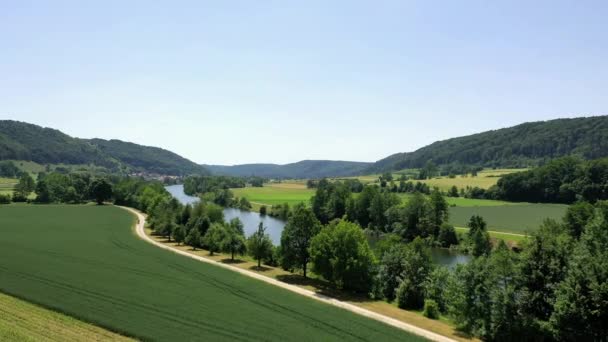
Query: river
<point x="274" y="227"/>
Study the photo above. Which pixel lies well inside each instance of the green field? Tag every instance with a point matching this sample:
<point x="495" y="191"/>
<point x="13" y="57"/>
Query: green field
<point x="516" y="218"/>
<point x="273" y="194"/>
<point x="7" y="185"/>
<point x="86" y="261"/>
<point x="23" y="321"/>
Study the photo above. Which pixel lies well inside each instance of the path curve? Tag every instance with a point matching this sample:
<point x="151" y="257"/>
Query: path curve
<point x="139" y="228"/>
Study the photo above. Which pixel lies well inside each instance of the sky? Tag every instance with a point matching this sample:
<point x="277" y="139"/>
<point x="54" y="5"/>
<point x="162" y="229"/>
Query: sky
<point x="233" y="82"/>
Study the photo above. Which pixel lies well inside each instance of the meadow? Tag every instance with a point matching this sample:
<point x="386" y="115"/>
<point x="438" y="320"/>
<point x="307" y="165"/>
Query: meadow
<point x="276" y="193"/>
<point x="516" y="218"/>
<point x="86" y="262"/>
<point x="7" y="185"/>
<point x="23" y="321"/>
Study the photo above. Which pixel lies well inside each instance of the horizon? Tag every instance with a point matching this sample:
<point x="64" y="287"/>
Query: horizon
<point x="278" y="83"/>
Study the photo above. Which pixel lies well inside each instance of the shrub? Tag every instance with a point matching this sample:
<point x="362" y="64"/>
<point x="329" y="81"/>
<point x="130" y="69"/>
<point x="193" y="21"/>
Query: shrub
<point x="431" y="309"/>
<point x="5" y="199"/>
<point x="409" y="296"/>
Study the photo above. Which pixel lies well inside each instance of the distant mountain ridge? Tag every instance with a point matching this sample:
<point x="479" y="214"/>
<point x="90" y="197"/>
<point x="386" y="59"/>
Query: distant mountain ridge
<point x="24" y="141"/>
<point x="527" y="144"/>
<point x="301" y="169"/>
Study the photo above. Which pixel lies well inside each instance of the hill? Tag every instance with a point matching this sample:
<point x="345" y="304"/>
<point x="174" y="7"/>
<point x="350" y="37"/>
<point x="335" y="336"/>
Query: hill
<point x="28" y="142"/>
<point x="524" y="145"/>
<point x="301" y="169"/>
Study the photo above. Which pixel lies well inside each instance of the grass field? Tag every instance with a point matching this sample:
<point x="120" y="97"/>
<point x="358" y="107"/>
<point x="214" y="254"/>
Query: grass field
<point x="517" y="218"/>
<point x="87" y="262"/>
<point x="23" y="321"/>
<point x="7" y="185"/>
<point x="484" y="179"/>
<point x="276" y="193"/>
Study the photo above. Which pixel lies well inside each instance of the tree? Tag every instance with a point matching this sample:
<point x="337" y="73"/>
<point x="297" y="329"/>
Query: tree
<point x="580" y="310"/>
<point x="453" y="192"/>
<point x="439" y="210"/>
<point x="42" y="192"/>
<point x="244" y="204"/>
<point x="179" y="234"/>
<point x="193" y="238"/>
<point x="391" y="266"/>
<point x="478" y="237"/>
<point x="417" y="265"/>
<point x="24" y="188"/>
<point x="341" y="254"/>
<point x="577" y="216"/>
<point x="301" y="227"/>
<point x="101" y="190"/>
<point x="447" y="236"/>
<point x="259" y="244"/>
<point x="214" y="238"/>
<point x="166" y="229"/>
<point x="263" y="210"/>
<point x="233" y="241"/>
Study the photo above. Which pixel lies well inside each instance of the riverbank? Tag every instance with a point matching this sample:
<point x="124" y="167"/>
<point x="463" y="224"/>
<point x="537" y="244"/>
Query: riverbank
<point x="314" y="288"/>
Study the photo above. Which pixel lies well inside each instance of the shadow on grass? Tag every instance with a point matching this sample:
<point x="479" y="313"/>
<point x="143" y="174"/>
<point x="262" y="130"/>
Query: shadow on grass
<point x="260" y="268"/>
<point x="324" y="288"/>
<point x="231" y="261"/>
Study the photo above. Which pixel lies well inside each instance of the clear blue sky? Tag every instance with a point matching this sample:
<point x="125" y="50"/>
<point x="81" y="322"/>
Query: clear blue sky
<point x="230" y="82"/>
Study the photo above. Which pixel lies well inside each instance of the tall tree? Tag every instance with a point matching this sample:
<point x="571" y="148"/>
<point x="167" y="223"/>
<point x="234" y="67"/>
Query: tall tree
<point x="341" y="254"/>
<point x="478" y="237"/>
<point x="301" y="227"/>
<point x="259" y="244"/>
<point x="233" y="241"/>
<point x="101" y="190"/>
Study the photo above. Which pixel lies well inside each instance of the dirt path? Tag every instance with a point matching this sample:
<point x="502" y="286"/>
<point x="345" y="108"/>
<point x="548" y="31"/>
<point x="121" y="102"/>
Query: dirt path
<point x="141" y="220"/>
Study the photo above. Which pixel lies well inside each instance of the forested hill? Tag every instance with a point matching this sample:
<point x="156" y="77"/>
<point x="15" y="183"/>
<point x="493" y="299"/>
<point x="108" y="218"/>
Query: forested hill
<point x="148" y="158"/>
<point x="523" y="145"/>
<point x="301" y="169"/>
<point x="24" y="141"/>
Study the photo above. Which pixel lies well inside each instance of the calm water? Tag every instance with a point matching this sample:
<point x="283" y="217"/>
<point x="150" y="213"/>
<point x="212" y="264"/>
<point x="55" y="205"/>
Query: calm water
<point x="274" y="227"/>
<point x="250" y="219"/>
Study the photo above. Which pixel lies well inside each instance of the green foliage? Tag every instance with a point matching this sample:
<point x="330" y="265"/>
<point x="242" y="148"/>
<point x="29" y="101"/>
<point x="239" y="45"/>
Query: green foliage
<point x="101" y="190"/>
<point x="259" y="245"/>
<point x="8" y="169"/>
<point x="214" y="238"/>
<point x="392" y="265"/>
<point x="369" y="208"/>
<point x="417" y="266"/>
<point x="431" y="309"/>
<point x="434" y="287"/>
<point x="5" y="199"/>
<point x="341" y="254"/>
<point x="301" y="227"/>
<point x="519" y="146"/>
<point x="330" y="200"/>
<point x="303" y="169"/>
<point x="263" y="210"/>
<point x="577" y="217"/>
<point x="580" y="310"/>
<point x="447" y="236"/>
<point x="179" y="234"/>
<point x="478" y="239"/>
<point x="24" y="187"/>
<point x="561" y="180"/>
<point x="23" y="141"/>
<point x="233" y="241"/>
<point x="193" y="238"/>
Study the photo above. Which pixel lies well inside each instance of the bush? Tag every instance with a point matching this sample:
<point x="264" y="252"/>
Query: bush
<point x="409" y="296"/>
<point x="5" y="199"/>
<point x="263" y="210"/>
<point x="431" y="309"/>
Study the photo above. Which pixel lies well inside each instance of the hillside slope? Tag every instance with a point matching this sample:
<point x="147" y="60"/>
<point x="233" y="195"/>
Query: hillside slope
<point x="523" y="145"/>
<point x="301" y="169"/>
<point x="24" y="141"/>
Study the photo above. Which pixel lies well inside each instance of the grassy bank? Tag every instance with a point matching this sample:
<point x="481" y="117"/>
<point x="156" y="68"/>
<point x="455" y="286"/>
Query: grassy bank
<point x="23" y="321"/>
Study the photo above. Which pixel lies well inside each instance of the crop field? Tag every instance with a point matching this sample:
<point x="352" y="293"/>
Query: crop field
<point x="484" y="179"/>
<point x="276" y="193"/>
<point x="85" y="261"/>
<point x="516" y="218"/>
<point x="7" y="185"/>
<point x="23" y="321"/>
